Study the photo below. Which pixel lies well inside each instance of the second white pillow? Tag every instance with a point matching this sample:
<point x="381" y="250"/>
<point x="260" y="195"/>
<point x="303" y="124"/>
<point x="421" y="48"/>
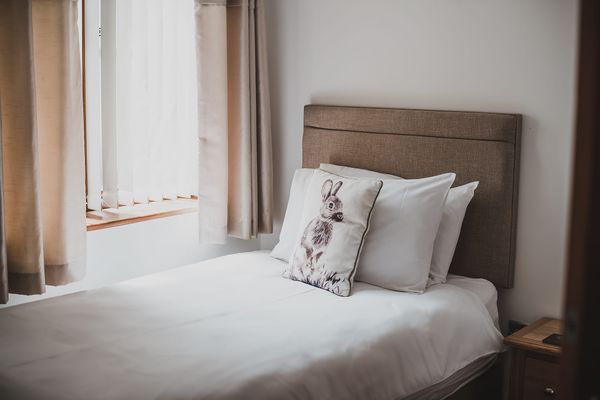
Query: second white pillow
<point x="293" y="215"/>
<point x="406" y="217"/>
<point x="450" y="225"/>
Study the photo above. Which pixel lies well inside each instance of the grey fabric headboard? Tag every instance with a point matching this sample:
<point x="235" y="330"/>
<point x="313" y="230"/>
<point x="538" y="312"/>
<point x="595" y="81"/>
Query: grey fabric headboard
<point x="482" y="147"/>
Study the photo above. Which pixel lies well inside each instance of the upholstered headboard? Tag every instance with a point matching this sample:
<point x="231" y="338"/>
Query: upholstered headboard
<point x="482" y="147"/>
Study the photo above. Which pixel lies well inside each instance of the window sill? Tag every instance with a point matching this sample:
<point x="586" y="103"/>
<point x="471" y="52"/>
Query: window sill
<point x="137" y="213"/>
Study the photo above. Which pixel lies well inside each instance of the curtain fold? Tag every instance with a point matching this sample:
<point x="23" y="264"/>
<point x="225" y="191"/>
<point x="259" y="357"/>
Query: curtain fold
<point x="235" y="160"/>
<point x="43" y="179"/>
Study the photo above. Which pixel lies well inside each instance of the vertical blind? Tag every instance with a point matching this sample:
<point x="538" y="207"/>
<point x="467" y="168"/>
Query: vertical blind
<point x="144" y="146"/>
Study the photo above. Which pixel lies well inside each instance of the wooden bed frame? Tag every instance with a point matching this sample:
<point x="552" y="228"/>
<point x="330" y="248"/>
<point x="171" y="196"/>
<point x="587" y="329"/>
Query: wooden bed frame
<point x="477" y="146"/>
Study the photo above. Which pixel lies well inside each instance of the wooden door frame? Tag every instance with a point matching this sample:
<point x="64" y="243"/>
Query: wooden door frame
<point x="581" y="350"/>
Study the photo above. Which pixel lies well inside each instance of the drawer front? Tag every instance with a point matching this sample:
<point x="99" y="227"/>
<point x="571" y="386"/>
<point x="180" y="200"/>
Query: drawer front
<point x="540" y="379"/>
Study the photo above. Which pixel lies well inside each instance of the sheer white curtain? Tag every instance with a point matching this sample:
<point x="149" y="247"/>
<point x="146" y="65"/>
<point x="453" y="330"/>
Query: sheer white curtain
<point x="149" y="104"/>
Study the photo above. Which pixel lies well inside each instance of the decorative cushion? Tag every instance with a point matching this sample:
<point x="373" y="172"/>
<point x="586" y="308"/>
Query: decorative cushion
<point x="334" y="223"/>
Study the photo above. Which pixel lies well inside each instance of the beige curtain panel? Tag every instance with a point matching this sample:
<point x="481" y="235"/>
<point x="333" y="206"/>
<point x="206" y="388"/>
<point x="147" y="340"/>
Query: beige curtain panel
<point x="43" y="181"/>
<point x="235" y="171"/>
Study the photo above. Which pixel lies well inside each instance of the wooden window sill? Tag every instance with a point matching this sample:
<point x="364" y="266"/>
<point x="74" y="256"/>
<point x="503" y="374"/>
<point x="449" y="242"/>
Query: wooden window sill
<point x="110" y="217"/>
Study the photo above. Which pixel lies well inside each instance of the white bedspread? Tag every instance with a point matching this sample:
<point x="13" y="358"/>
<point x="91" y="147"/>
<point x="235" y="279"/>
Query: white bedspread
<point x="232" y="328"/>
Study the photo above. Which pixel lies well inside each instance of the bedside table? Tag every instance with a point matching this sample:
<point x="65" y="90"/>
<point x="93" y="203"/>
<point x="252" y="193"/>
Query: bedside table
<point x="534" y="365"/>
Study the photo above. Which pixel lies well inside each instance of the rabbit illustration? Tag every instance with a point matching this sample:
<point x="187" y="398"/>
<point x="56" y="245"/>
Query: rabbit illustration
<point x="318" y="232"/>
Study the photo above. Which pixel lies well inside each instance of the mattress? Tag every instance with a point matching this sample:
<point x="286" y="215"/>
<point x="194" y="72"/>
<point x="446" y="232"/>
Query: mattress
<point x="232" y="328"/>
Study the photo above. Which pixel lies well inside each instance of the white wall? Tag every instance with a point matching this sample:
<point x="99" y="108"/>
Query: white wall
<point x="128" y="251"/>
<point x="513" y="56"/>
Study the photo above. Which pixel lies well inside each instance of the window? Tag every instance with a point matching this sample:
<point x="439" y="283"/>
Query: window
<point x="141" y="103"/>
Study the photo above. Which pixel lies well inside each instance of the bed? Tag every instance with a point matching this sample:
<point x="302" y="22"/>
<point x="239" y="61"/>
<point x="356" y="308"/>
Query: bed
<point x="232" y="328"/>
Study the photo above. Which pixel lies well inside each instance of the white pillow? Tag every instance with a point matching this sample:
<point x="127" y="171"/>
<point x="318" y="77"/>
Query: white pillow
<point x="445" y="243"/>
<point x="293" y="215"/>
<point x="335" y="221"/>
<point x="450" y="225"/>
<point x="397" y="252"/>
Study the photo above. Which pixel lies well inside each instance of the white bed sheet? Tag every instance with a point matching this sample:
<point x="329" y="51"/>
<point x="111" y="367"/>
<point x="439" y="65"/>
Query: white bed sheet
<point x="483" y="289"/>
<point x="232" y="328"/>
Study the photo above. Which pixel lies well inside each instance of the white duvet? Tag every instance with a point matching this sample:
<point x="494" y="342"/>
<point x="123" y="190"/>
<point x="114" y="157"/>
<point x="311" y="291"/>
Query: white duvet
<point x="233" y="328"/>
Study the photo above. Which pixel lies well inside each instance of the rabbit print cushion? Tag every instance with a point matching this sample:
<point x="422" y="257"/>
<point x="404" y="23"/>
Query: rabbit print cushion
<point x="335" y="220"/>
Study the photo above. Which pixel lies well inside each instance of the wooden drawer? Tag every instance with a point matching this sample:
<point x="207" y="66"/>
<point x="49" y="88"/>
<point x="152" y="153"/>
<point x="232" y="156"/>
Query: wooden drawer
<point x="534" y="370"/>
<point x="540" y="378"/>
